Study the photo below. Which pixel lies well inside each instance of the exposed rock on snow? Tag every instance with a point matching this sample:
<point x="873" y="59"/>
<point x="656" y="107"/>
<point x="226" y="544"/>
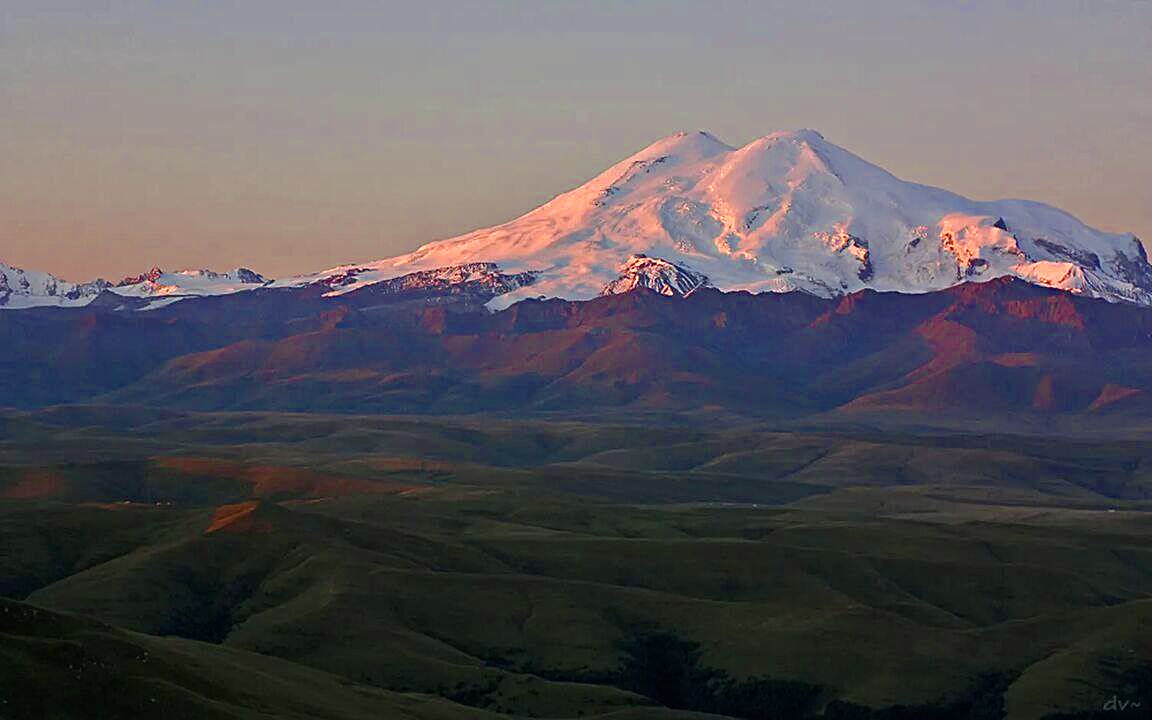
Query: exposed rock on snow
<point x="655" y="274"/>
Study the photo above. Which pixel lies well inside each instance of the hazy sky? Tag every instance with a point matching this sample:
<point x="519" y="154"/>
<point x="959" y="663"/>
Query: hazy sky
<point x="291" y="136"/>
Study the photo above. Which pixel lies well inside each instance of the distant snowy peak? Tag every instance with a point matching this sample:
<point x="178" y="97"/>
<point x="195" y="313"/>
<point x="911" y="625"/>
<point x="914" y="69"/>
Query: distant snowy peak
<point x="655" y="274"/>
<point x="28" y="288"/>
<point x="157" y="283"/>
<point x="789" y="211"/>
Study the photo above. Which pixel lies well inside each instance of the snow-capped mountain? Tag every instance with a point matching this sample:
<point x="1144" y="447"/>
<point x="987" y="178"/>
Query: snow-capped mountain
<point x="790" y="211"/>
<point x="28" y="288"/>
<point x="157" y="283"/>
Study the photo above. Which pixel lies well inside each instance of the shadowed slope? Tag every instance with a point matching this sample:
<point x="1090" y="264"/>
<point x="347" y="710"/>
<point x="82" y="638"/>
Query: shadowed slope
<point x="1001" y="347"/>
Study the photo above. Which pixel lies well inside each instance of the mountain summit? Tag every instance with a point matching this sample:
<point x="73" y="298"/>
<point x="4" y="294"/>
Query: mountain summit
<point x="789" y="211"/>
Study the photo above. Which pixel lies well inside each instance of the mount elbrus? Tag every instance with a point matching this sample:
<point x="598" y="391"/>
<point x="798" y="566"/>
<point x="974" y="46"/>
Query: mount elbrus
<point x="789" y="211"/>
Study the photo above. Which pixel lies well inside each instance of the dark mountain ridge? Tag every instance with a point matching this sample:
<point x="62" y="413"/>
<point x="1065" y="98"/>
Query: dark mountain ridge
<point x="998" y="347"/>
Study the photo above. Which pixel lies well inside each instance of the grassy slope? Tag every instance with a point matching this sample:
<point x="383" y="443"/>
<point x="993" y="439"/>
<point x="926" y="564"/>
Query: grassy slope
<point x="487" y="554"/>
<point x="63" y="666"/>
<point x="55" y="665"/>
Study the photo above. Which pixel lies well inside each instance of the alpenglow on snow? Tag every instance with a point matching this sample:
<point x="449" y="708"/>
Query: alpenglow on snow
<point x="789" y="211"/>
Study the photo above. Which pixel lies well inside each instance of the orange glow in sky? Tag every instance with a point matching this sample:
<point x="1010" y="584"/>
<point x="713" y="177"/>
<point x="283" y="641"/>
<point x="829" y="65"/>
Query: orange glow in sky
<point x="285" y="138"/>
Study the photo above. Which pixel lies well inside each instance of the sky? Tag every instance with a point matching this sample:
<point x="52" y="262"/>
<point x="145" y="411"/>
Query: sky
<point x="292" y="136"/>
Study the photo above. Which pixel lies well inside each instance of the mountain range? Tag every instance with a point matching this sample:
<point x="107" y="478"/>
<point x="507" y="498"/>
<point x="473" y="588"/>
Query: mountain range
<point x="789" y="211"/>
<point x="785" y="279"/>
<point x="1001" y="351"/>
